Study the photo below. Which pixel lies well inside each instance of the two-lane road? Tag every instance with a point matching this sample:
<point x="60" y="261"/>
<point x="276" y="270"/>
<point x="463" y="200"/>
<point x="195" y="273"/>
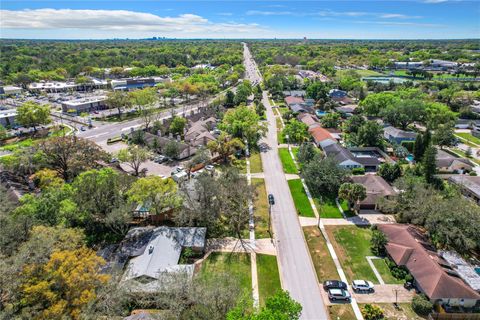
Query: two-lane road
<point x="295" y="264"/>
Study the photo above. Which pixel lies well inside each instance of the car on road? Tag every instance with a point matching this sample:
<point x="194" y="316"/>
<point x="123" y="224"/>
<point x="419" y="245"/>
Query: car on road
<point x="334" y="284"/>
<point x="339" y="294"/>
<point x="82" y="128"/>
<point x="271" y="199"/>
<point x="362" y="286"/>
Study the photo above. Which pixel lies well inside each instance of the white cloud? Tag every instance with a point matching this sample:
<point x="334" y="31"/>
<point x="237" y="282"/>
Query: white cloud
<point x="226" y="14"/>
<point x="398" y="16"/>
<point x="119" y="22"/>
<point x="397" y="23"/>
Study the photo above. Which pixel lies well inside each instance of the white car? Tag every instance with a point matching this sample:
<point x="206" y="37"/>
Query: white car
<point x="362" y="285"/>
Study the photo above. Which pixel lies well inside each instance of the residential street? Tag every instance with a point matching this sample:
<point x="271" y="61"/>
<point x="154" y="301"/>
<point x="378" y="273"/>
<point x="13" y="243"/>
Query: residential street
<point x="295" y="266"/>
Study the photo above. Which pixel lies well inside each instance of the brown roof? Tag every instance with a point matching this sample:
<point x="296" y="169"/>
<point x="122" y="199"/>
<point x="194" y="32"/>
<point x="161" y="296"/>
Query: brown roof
<point x="308" y="119"/>
<point x="320" y="134"/>
<point x="376" y="187"/>
<point x="408" y="247"/>
<point x="293" y="100"/>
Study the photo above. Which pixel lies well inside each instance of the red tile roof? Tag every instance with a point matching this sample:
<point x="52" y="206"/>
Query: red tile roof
<point x="293" y="100"/>
<point x="320" y="134"/>
<point x="407" y="247"/>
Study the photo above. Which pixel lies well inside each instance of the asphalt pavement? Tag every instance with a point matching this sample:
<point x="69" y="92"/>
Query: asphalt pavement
<point x="295" y="265"/>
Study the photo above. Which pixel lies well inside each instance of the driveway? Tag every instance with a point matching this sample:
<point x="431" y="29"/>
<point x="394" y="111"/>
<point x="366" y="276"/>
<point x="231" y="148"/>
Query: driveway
<point x="385" y="293"/>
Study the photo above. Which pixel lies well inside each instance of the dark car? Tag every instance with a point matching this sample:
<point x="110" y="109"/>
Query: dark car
<point x="271" y="199"/>
<point x="334" y="284"/>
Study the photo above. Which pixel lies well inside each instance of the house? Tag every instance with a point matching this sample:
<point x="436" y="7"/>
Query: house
<point x="198" y="134"/>
<point x="450" y="163"/>
<point x="295" y="93"/>
<point x="310" y="120"/>
<point x="348" y="109"/>
<point x="342" y="156"/>
<point x="291" y="100"/>
<point x="432" y="275"/>
<point x="337" y="94"/>
<point x="298" y="108"/>
<point x="395" y="135"/>
<point x="468" y="185"/>
<point x="321" y="136"/>
<point x="185" y="150"/>
<point x="158" y="253"/>
<point x="346" y="159"/>
<point x="408" y="65"/>
<point x="377" y="188"/>
<point x="468" y="124"/>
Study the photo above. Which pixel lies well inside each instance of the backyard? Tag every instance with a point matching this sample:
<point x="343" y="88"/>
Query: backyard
<point x="287" y="161"/>
<point x="300" y="198"/>
<point x="260" y="209"/>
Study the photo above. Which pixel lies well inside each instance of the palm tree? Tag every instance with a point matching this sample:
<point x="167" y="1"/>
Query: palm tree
<point x="225" y="145"/>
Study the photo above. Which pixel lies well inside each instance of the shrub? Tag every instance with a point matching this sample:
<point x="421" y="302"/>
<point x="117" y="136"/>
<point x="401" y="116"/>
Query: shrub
<point x="358" y="171"/>
<point x="421" y="305"/>
<point x="372" y="312"/>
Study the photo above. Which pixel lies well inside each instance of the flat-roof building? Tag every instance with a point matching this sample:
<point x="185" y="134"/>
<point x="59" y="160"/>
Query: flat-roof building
<point x="87" y="104"/>
<point x="7" y="117"/>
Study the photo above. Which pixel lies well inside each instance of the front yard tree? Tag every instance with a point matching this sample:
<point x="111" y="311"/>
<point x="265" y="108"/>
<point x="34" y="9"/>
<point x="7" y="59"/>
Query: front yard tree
<point x="243" y="123"/>
<point x="118" y="100"/>
<point x="296" y="131"/>
<point x="177" y="125"/>
<point x="31" y="114"/>
<point x="134" y="156"/>
<point x="323" y="176"/>
<point x="378" y="242"/>
<point x="70" y="155"/>
<point x="352" y="193"/>
<point x="225" y="145"/>
<point x="158" y="193"/>
<point x="306" y="152"/>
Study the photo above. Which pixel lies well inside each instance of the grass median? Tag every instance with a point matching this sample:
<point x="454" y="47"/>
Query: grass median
<point x="287" y="161"/>
<point x="268" y="277"/>
<point x="260" y="209"/>
<point x="300" y="198"/>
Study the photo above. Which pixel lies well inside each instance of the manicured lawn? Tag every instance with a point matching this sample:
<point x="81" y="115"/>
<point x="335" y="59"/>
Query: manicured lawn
<point x="16" y="145"/>
<point x="469" y="137"/>
<point x="322" y="261"/>
<point x="328" y="208"/>
<point x="341" y="312"/>
<point x="352" y="245"/>
<point x="384" y="271"/>
<point x="344" y="205"/>
<point x="287" y="161"/>
<point x="362" y="73"/>
<point x="260" y="209"/>
<point x="255" y="163"/>
<point x="300" y="198"/>
<point x="295" y="152"/>
<point x="283" y="110"/>
<point x="391" y="313"/>
<point x="234" y="264"/>
<point x="280" y="139"/>
<point x="268" y="277"/>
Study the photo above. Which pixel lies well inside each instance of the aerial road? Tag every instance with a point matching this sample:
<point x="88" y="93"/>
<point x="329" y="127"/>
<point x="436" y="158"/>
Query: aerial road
<point x="295" y="265"/>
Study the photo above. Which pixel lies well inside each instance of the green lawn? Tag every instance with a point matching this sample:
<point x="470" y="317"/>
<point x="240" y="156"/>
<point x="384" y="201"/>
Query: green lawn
<point x="260" y="209"/>
<point x="300" y="198"/>
<point x="280" y="139"/>
<point x="362" y="73"/>
<point x="17" y="145"/>
<point x="283" y="110"/>
<point x="287" y="161"/>
<point x="341" y="312"/>
<point x="384" y="271"/>
<point x="295" y="152"/>
<point x="328" y="208"/>
<point x="268" y="277"/>
<point x="255" y="162"/>
<point x="475" y="142"/>
<point x="344" y="205"/>
<point x="234" y="264"/>
<point x="461" y="153"/>
<point x="352" y="245"/>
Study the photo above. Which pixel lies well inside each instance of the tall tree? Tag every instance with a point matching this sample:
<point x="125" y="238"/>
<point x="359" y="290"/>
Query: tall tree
<point x="134" y="156"/>
<point x="145" y="101"/>
<point x="244" y="123"/>
<point x="429" y="164"/>
<point x="323" y="176"/>
<point x="225" y="145"/>
<point x="118" y="100"/>
<point x="352" y="193"/>
<point x="70" y="155"/>
<point x="296" y="131"/>
<point x="177" y="125"/>
<point x="419" y="148"/>
<point x="31" y="114"/>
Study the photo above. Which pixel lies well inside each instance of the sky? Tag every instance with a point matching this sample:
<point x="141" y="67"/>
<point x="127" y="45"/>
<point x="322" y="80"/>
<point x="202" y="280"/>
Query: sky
<point x="355" y="19"/>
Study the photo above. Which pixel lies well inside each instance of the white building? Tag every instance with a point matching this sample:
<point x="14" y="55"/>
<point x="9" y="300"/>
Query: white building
<point x="87" y="104"/>
<point x="7" y="117"/>
<point x="10" y="90"/>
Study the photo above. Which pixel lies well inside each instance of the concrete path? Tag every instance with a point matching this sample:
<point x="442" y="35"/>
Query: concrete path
<point x="291" y="176"/>
<point x="377" y="274"/>
<point x="308" y="222"/>
<point x="262" y="246"/>
<point x="259" y="175"/>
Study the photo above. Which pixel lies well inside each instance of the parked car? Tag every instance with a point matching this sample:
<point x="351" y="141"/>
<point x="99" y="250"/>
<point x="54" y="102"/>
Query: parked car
<point x="334" y="284"/>
<point x="114" y="160"/>
<point x="209" y="167"/>
<point x="177" y="170"/>
<point x="82" y="128"/>
<point x="271" y="199"/>
<point x="362" y="286"/>
<point x="339" y="294"/>
<point x="159" y="159"/>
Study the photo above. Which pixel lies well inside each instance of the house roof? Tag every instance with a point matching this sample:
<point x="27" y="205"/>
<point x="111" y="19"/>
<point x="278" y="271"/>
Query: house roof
<point x="376" y="187"/>
<point x="349" y="108"/>
<point x="308" y="119"/>
<point x="470" y="183"/>
<point x="408" y="247"/>
<point x="398" y="133"/>
<point x="293" y="100"/>
<point x="163" y="250"/>
<point x="298" y="108"/>
<point x="320" y="134"/>
<point x="339" y="153"/>
<point x="445" y="160"/>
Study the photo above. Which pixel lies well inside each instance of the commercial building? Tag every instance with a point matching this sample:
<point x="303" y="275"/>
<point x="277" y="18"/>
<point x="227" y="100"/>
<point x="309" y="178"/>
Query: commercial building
<point x="6" y="91"/>
<point x="136" y="83"/>
<point x="7" y="117"/>
<point x="86" y="104"/>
